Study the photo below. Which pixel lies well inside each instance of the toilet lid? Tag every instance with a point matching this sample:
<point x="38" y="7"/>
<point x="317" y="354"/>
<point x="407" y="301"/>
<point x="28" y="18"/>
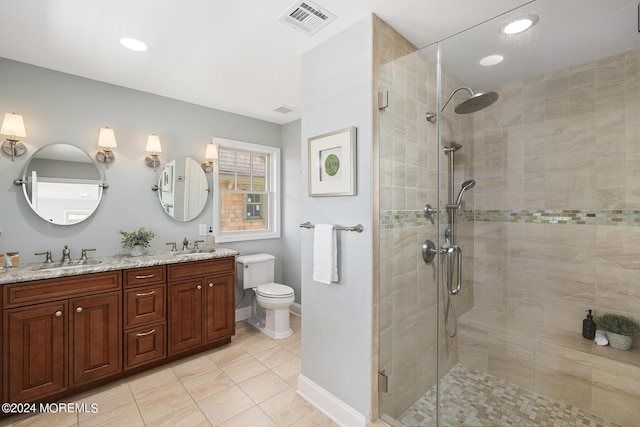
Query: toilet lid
<point x="274" y="290"/>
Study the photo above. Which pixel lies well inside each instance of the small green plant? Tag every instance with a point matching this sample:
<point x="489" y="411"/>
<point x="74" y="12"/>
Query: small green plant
<point x="139" y="236"/>
<point x="618" y="324"/>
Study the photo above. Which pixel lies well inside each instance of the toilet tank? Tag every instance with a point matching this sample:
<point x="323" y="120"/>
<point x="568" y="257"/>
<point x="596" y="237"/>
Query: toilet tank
<point x="254" y="270"/>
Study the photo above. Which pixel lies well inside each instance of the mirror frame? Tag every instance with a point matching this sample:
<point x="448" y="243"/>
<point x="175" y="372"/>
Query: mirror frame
<point x="23" y="182"/>
<point x="175" y="179"/>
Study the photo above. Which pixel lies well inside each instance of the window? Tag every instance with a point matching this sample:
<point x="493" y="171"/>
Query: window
<point x="248" y="199"/>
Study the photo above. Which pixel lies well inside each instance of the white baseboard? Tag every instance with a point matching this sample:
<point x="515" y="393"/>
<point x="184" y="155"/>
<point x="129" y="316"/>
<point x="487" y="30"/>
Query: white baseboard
<point x="296" y="309"/>
<point x="245" y="312"/>
<point x="328" y="404"/>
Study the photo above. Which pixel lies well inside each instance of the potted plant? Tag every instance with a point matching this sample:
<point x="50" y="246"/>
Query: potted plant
<point x="136" y="240"/>
<point x="620" y="330"/>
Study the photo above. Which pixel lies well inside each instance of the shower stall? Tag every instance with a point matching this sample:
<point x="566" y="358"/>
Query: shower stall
<point x="528" y="187"/>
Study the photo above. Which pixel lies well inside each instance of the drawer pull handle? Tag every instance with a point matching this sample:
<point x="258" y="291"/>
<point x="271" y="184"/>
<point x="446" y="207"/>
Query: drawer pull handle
<point x="58" y="313"/>
<point x="199" y="287"/>
<point x="211" y="285"/>
<point x="148" y="276"/>
<point x="146" y="294"/>
<point x="144" y="334"/>
<point x="79" y="310"/>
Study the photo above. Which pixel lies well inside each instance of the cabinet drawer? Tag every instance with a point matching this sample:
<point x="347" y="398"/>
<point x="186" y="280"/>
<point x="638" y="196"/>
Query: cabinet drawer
<point x="153" y="275"/>
<point x="201" y="268"/>
<point x="145" y="344"/>
<point x="144" y="305"/>
<point x="17" y="294"/>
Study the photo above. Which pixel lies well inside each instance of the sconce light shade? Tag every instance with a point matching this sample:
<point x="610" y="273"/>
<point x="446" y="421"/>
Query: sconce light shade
<point x="153" y="147"/>
<point x="13" y="125"/>
<point x="212" y="152"/>
<point x="210" y="155"/>
<point x="106" y="141"/>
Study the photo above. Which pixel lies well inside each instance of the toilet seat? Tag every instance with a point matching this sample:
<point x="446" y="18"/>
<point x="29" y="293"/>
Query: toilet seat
<point x="274" y="290"/>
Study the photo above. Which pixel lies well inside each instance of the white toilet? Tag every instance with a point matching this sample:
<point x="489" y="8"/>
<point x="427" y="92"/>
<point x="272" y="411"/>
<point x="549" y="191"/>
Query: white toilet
<point x="270" y="306"/>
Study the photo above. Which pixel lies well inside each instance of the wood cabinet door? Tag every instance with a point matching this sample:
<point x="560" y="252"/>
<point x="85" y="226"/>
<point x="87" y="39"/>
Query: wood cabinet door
<point x="185" y="315"/>
<point x="96" y="337"/>
<point x="219" y="307"/>
<point x="36" y="351"/>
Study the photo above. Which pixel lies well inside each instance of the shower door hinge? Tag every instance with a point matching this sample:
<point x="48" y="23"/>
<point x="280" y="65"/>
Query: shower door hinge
<point x="383" y="99"/>
<point x="383" y="382"/>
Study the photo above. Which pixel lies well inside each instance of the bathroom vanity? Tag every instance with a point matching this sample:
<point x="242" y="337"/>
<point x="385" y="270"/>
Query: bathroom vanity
<point x="72" y="328"/>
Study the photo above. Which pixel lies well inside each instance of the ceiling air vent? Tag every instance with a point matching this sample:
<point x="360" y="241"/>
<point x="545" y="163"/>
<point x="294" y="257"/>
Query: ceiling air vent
<point x="307" y="16"/>
<point x="284" y="109"/>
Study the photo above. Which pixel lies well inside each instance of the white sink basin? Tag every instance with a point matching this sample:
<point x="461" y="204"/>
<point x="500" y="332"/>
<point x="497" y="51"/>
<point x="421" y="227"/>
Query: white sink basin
<point x="65" y="265"/>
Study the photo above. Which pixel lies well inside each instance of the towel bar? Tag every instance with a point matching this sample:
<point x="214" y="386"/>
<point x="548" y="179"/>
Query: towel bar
<point x="358" y="228"/>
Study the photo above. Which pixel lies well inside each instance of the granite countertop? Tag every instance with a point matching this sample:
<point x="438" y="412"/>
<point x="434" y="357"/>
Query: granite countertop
<point x="39" y="271"/>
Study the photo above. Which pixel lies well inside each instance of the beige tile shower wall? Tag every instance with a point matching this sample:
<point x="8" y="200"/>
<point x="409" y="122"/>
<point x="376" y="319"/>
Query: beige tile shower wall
<point x="408" y="178"/>
<point x="565" y="140"/>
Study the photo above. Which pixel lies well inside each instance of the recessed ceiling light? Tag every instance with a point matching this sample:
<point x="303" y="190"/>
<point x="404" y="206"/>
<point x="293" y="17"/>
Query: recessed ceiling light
<point x="133" y="44"/>
<point x="490" y="60"/>
<point x="519" y="24"/>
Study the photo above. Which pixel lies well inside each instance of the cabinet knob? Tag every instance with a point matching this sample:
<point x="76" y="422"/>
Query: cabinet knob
<point x="199" y="287"/>
<point x="211" y="285"/>
<point x="58" y="313"/>
<point x="79" y="310"/>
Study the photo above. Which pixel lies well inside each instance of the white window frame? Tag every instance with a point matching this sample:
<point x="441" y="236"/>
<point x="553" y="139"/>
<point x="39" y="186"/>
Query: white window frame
<point x="273" y="166"/>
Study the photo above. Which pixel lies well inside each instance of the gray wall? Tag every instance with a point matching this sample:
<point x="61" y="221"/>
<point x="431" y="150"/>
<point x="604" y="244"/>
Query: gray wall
<point x="291" y="193"/>
<point x="337" y="93"/>
<point x="59" y="107"/>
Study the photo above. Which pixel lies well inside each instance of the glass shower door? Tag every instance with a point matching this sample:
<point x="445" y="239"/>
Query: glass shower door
<point x="409" y="179"/>
<point x="556" y="166"/>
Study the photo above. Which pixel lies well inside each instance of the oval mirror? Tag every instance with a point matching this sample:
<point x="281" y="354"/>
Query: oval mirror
<point x="183" y="189"/>
<point x="62" y="184"/>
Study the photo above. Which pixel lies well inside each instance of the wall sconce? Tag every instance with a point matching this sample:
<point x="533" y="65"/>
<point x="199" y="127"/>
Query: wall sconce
<point x="210" y="155"/>
<point x="13" y="125"/>
<point x="153" y="147"/>
<point x="106" y="141"/>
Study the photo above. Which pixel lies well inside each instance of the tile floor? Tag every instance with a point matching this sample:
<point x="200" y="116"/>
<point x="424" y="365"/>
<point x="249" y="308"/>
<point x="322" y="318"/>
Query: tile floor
<point x="250" y="382"/>
<point x="474" y="398"/>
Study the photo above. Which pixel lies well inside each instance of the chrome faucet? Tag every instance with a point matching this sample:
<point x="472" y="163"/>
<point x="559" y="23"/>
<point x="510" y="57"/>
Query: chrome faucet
<point x="173" y="246"/>
<point x="195" y="244"/>
<point x="84" y="254"/>
<point x="185" y="244"/>
<point x="48" y="254"/>
<point x="66" y="254"/>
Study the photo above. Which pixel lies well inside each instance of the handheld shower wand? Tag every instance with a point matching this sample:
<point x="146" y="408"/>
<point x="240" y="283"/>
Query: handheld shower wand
<point x="467" y="185"/>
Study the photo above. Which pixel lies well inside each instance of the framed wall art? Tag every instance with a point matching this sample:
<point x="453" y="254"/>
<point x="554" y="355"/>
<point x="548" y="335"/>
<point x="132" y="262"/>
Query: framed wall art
<point x="332" y="164"/>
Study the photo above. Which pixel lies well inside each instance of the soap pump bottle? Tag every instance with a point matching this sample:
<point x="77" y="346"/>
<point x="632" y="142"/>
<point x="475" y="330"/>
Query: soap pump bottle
<point x="211" y="240"/>
<point x="589" y="327"/>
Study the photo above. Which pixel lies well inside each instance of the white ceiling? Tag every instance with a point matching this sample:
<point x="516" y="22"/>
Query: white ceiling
<point x="235" y="55"/>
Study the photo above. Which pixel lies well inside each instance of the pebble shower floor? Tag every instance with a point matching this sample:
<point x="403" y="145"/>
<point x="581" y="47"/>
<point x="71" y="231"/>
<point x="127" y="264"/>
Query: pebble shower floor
<point x="474" y="398"/>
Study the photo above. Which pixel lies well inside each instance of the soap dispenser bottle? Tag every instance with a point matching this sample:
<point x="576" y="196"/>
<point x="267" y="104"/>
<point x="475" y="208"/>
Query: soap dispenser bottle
<point x="589" y="327"/>
<point x="211" y="240"/>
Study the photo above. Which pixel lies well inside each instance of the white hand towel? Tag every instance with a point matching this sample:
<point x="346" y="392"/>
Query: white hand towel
<point x="325" y="254"/>
<point x="601" y="338"/>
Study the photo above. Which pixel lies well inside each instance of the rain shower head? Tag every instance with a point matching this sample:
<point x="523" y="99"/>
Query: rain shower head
<point x="475" y="102"/>
<point x="467" y="185"/>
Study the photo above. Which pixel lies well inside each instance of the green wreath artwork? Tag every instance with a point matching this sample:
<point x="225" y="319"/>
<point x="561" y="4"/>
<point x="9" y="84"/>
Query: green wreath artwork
<point x="331" y="164"/>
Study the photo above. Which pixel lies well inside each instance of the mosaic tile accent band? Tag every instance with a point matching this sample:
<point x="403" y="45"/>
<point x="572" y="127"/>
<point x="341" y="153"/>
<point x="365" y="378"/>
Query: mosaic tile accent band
<point x="415" y="218"/>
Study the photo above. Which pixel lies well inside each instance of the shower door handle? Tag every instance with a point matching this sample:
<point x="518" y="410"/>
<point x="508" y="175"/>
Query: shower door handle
<point x="450" y="252"/>
<point x="459" y="262"/>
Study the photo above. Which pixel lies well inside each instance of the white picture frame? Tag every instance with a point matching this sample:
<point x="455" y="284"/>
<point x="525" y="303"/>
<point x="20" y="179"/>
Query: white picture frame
<point x="332" y="164"/>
